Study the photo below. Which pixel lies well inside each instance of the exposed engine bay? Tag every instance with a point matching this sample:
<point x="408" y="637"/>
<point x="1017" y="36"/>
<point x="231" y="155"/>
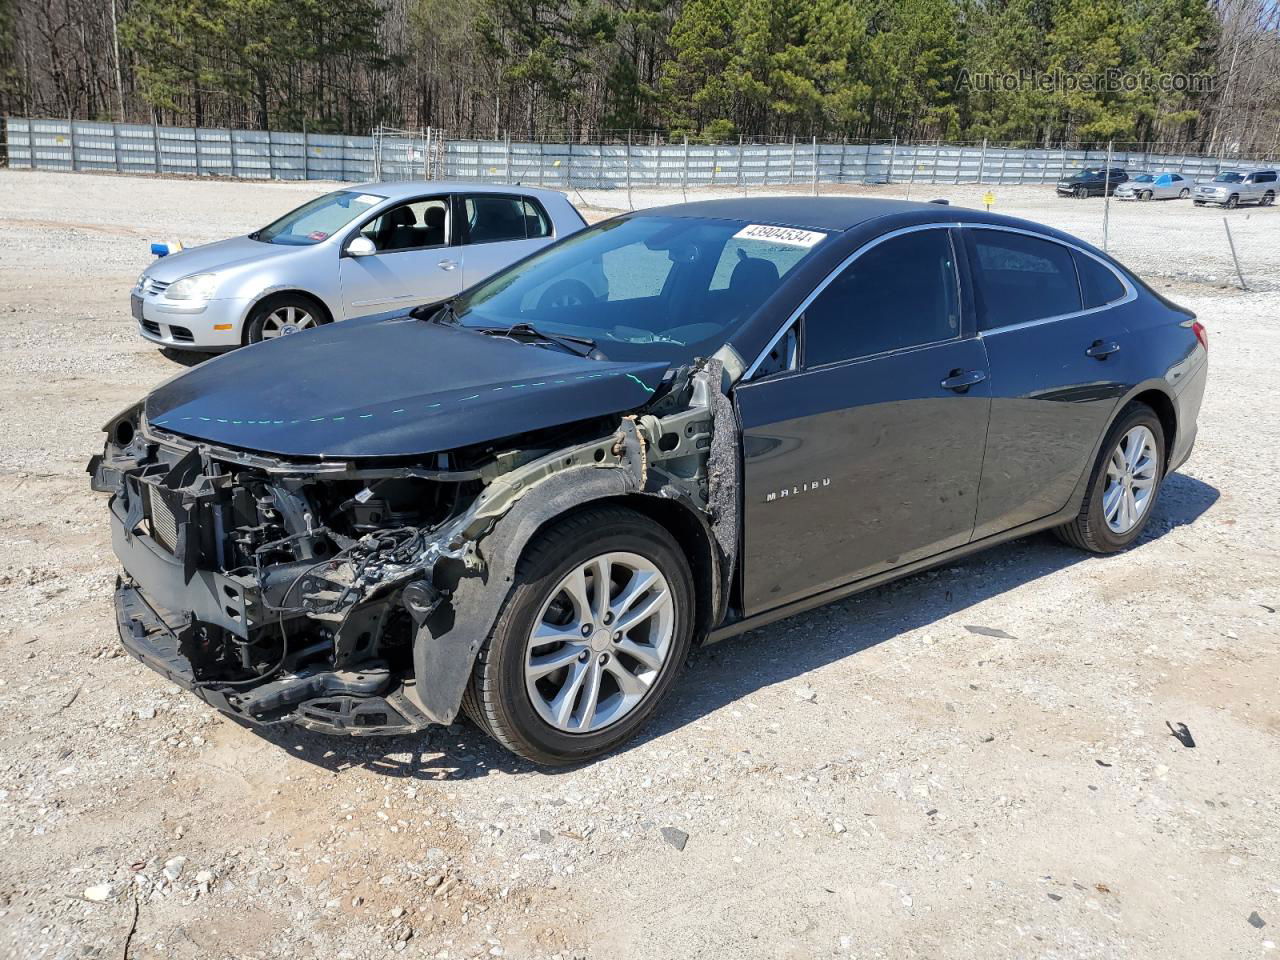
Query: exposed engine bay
<point x="351" y="595"/>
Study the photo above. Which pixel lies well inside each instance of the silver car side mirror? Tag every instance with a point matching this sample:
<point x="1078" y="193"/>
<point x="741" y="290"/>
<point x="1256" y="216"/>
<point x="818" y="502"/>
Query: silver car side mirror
<point x="361" y="247"/>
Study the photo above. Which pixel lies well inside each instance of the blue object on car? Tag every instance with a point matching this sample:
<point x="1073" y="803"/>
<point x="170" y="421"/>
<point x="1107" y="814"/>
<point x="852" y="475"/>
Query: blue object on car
<point x="164" y="249"/>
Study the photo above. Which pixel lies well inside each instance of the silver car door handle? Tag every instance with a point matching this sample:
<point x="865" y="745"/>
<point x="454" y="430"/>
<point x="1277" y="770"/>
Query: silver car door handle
<point x="447" y="264"/>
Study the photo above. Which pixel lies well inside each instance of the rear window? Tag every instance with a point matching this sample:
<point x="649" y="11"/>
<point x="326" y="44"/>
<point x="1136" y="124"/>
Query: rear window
<point x="1098" y="285"/>
<point x="1021" y="278"/>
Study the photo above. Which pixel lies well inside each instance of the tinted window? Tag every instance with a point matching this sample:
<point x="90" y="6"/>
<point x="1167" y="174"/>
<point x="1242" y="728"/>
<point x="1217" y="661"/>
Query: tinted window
<point x="1097" y="283"/>
<point x="410" y="226"/>
<point x="900" y="293"/>
<point x="492" y="219"/>
<point x="1020" y="278"/>
<point x="1265" y="178"/>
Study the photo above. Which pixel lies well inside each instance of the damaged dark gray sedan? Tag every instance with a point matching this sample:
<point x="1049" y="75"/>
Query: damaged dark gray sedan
<point x="526" y="504"/>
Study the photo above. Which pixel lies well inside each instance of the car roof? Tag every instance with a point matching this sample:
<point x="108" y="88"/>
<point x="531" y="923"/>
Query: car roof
<point x="402" y="189"/>
<point x="812" y="213"/>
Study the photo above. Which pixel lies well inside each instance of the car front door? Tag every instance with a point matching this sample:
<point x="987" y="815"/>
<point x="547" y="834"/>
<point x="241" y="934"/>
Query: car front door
<point x="498" y="230"/>
<point x="1052" y="321"/>
<point x="867" y="455"/>
<point x="413" y="261"/>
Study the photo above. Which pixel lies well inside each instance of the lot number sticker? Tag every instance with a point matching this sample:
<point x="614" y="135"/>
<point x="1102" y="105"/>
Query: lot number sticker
<point x="787" y="236"/>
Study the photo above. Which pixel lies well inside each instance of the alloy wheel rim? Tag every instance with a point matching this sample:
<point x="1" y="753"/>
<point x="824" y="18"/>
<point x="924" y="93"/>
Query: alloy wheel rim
<point x="600" y="642"/>
<point x="1131" y="480"/>
<point x="286" y="320"/>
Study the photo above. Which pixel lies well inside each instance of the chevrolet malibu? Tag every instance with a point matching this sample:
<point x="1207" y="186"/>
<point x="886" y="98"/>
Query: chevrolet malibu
<point x="349" y="253"/>
<point x="526" y="509"/>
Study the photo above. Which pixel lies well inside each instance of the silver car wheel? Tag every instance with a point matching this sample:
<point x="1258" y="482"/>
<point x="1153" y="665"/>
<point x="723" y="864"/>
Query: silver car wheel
<point x="286" y="320"/>
<point x="600" y="643"/>
<point x="1131" y="480"/>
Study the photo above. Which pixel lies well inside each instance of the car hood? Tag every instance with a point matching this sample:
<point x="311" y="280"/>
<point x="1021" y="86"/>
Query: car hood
<point x="211" y="257"/>
<point x="390" y="388"/>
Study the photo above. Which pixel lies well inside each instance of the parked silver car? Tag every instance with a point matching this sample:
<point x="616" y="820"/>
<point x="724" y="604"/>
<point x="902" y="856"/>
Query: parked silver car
<point x="357" y="251"/>
<point x="1234" y="187"/>
<point x="1164" y="185"/>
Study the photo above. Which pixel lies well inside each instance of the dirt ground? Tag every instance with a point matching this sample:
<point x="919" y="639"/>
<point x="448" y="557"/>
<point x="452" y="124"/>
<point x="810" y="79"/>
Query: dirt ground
<point x="874" y="779"/>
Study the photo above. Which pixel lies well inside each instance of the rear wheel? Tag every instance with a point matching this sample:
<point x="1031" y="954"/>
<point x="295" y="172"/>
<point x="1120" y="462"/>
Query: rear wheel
<point x="1268" y="198"/>
<point x="282" y="316"/>
<point x="1184" y="193"/>
<point x="1124" y="484"/>
<point x="593" y="633"/>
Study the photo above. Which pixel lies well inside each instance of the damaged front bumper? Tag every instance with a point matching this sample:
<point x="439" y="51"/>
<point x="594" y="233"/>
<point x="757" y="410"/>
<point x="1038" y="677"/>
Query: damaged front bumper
<point x="352" y="598"/>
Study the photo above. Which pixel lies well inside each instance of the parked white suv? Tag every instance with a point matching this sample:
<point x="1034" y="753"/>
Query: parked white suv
<point x="1234" y="187"/>
<point x="361" y="250"/>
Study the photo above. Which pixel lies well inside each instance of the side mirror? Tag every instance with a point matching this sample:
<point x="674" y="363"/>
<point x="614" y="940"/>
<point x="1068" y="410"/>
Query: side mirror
<point x="361" y="247"/>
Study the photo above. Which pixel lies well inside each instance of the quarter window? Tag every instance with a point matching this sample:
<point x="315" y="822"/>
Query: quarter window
<point x="492" y="218"/>
<point x="900" y="293"/>
<point x="1021" y="278"/>
<point x="1098" y="285"/>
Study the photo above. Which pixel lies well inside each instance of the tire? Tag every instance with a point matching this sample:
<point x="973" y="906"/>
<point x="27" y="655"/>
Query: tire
<point x="1198" y="203"/>
<point x="283" y="314"/>
<point x="1233" y="201"/>
<point x="1082" y="193"/>
<point x="1268" y="199"/>
<point x="1145" y="195"/>
<point x="1090" y="530"/>
<point x="1184" y="193"/>
<point x="500" y="698"/>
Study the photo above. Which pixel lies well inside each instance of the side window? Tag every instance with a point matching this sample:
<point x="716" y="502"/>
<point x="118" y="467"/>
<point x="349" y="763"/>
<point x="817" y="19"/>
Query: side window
<point x="1268" y="177"/>
<point x="900" y="293"/>
<point x="1177" y="178"/>
<point x="410" y="226"/>
<point x="1098" y="285"/>
<point x="1020" y="278"/>
<point x="493" y="218"/>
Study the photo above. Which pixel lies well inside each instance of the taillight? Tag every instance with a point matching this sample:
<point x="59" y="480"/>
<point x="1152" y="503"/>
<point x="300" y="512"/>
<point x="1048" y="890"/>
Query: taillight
<point x="1201" y="333"/>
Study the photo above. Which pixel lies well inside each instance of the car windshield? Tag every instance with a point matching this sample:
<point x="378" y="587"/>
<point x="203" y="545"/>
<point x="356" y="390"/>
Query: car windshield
<point x="644" y="288"/>
<point x="1229" y="178"/>
<point x="1145" y="178"/>
<point x="317" y="219"/>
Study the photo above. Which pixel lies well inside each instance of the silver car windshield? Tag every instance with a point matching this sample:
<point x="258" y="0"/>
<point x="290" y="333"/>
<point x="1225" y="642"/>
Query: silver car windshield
<point x="644" y="288"/>
<point x="1228" y="178"/>
<point x="317" y="219"/>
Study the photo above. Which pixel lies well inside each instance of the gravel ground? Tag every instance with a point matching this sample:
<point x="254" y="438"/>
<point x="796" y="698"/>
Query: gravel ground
<point x="876" y="778"/>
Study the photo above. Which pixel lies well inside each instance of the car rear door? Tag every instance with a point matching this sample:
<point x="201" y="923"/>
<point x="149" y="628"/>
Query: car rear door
<point x="416" y="259"/>
<point x="867" y="455"/>
<point x="499" y="229"/>
<point x="1049" y="317"/>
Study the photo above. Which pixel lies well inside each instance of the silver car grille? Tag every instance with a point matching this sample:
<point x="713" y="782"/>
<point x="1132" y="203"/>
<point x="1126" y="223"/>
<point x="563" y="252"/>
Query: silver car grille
<point x="164" y="525"/>
<point x="155" y="286"/>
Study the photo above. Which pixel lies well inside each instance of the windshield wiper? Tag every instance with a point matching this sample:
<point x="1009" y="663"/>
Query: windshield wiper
<point x="564" y="340"/>
<point x="436" y="313"/>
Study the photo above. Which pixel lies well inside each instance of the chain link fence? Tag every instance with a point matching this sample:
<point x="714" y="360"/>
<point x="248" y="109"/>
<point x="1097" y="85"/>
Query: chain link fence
<point x="396" y="154"/>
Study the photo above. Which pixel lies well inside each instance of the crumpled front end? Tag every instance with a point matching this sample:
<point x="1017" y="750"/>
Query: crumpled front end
<point x="351" y="596"/>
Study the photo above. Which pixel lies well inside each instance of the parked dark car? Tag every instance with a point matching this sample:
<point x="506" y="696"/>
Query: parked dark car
<point x="1092" y="182"/>
<point x="525" y="505"/>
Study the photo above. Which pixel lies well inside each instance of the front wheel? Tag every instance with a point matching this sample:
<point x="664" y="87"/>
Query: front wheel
<point x="594" y="631"/>
<point x="1124" y="485"/>
<point x="1145" y="195"/>
<point x="1233" y="201"/>
<point x="282" y="316"/>
<point x="1082" y="193"/>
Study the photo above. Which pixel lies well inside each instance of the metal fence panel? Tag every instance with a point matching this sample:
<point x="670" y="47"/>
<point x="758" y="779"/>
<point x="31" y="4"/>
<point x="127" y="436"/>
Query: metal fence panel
<point x="50" y="144"/>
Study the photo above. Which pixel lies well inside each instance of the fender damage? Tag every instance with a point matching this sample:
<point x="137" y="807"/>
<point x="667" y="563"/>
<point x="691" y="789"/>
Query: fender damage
<point x="351" y="596"/>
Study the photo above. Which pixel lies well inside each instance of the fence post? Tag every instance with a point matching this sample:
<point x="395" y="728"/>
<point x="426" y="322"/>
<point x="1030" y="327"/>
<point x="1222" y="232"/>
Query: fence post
<point x="1235" y="259"/>
<point x="815" y="166"/>
<point x="1106" y="200"/>
<point x="306" y="153"/>
<point x="231" y="148"/>
<point x="195" y="142"/>
<point x="628" y="166"/>
<point x="31" y="141"/>
<point x="684" y="178"/>
<point x="982" y="161"/>
<point x="115" y="145"/>
<point x="915" y="162"/>
<point x="71" y="134"/>
<point x="893" y="151"/>
<point x="791" y="173"/>
<point x="508" y="143"/>
<point x="155" y="144"/>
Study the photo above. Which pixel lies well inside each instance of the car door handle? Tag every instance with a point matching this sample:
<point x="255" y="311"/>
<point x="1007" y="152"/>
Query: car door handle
<point x="1101" y="349"/>
<point x="447" y="264"/>
<point x="961" y="380"/>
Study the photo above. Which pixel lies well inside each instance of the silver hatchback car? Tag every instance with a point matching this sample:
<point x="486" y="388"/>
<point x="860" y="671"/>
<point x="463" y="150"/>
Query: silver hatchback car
<point x="357" y="251"/>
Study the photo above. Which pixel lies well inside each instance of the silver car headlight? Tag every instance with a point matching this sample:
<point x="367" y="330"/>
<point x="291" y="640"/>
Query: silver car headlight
<point x="200" y="286"/>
